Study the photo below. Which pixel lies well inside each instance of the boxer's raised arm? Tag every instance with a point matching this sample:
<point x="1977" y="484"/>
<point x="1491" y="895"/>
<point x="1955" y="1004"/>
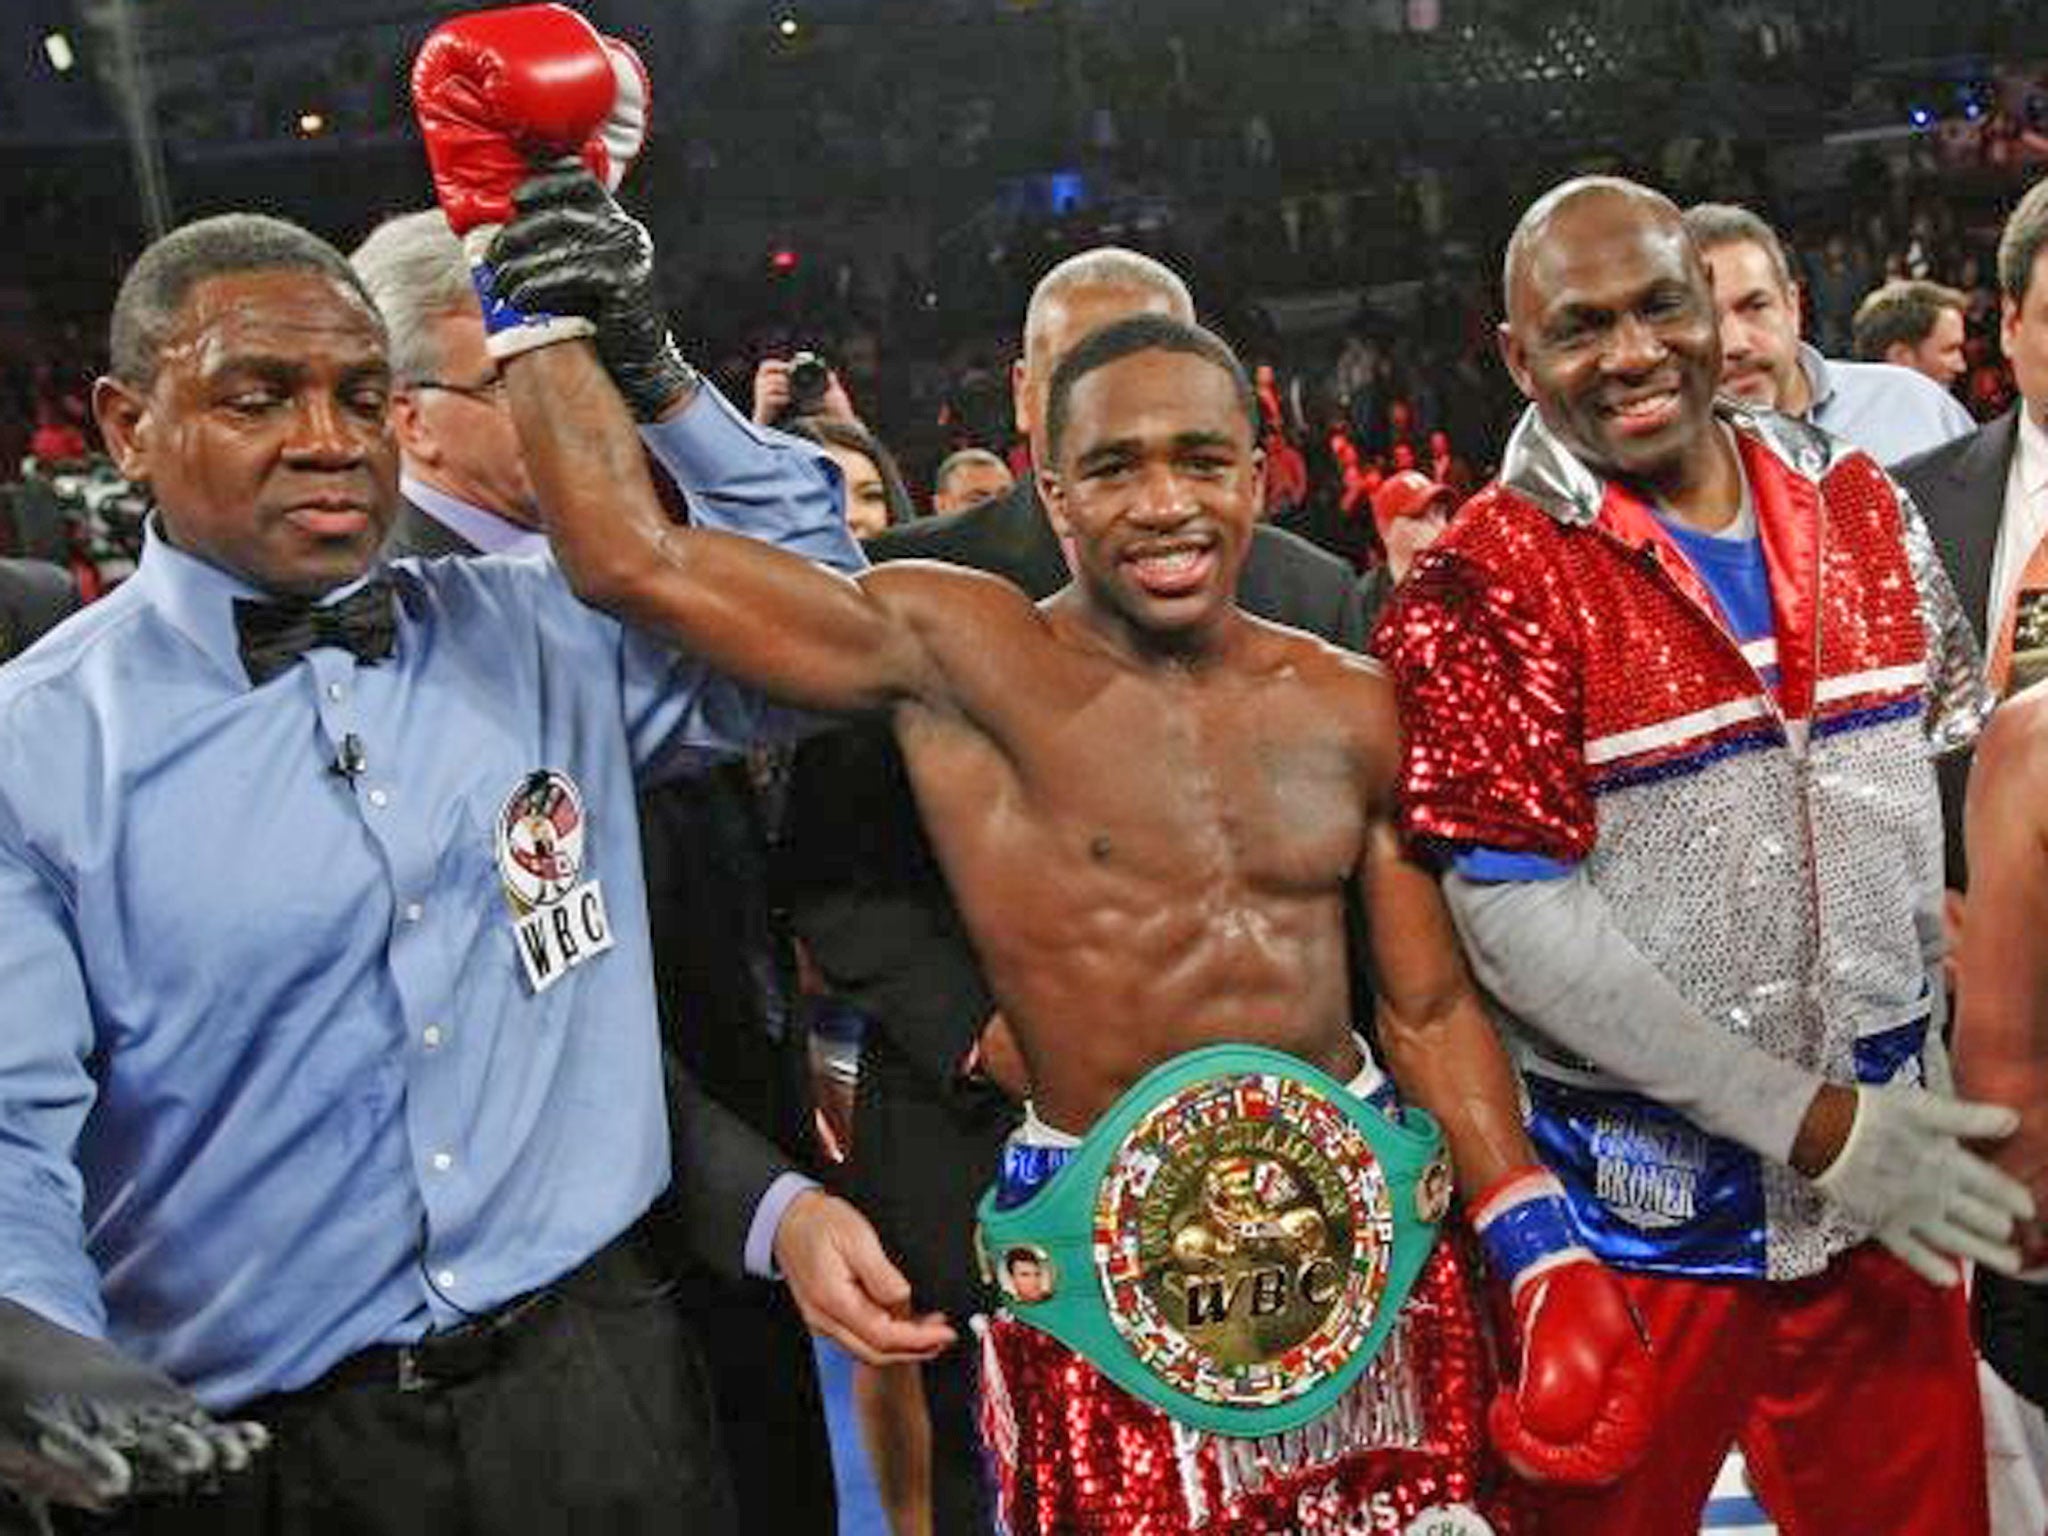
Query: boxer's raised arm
<point x="499" y="95"/>
<point x="793" y="629"/>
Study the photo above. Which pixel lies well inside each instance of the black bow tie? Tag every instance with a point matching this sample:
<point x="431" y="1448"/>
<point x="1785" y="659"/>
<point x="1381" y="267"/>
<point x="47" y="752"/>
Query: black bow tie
<point x="274" y="635"/>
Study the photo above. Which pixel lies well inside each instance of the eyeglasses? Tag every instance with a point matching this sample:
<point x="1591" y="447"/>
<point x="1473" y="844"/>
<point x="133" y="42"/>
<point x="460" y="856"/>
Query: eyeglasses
<point x="490" y="390"/>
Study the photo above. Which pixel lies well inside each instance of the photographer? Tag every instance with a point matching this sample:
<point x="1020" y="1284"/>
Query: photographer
<point x="800" y="385"/>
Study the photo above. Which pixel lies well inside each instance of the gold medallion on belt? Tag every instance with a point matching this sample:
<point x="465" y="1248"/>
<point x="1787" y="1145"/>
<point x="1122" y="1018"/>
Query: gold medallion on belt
<point x="1244" y="1231"/>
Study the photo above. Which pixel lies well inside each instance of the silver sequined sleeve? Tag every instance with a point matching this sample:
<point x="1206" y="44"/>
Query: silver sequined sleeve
<point x="1550" y="952"/>
<point x="1958" y="701"/>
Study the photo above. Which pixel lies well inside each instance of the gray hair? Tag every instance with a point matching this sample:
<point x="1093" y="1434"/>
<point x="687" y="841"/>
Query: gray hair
<point x="1108" y="266"/>
<point x="154" y="291"/>
<point x="1712" y="224"/>
<point x="414" y="270"/>
<point x="960" y="460"/>
<point x="2025" y="233"/>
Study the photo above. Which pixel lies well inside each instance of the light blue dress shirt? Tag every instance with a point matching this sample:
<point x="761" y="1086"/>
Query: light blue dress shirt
<point x="274" y="1084"/>
<point x="490" y="533"/>
<point x="1890" y="412"/>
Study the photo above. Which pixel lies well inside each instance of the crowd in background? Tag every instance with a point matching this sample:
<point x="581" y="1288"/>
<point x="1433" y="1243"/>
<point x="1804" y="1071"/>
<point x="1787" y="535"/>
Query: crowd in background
<point x="1406" y="379"/>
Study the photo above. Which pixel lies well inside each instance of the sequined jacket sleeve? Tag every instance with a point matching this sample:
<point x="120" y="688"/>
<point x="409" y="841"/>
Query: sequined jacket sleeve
<point x="1958" y="700"/>
<point x="1486" y="673"/>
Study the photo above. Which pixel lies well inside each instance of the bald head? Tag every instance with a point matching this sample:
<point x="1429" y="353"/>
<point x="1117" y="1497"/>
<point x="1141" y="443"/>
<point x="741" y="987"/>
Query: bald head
<point x="1083" y="294"/>
<point x="1551" y="219"/>
<point x="1610" y="329"/>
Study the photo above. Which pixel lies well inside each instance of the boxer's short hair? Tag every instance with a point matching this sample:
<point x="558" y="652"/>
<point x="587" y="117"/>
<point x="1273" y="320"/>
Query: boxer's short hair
<point x="1128" y="337"/>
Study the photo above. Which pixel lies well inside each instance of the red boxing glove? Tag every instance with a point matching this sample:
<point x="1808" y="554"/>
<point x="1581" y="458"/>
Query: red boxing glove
<point x="610" y="153"/>
<point x="1580" y="1409"/>
<point x="501" y="94"/>
<point x="497" y="92"/>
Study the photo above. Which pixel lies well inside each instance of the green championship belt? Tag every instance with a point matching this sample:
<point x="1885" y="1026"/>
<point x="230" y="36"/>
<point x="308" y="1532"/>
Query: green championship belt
<point x="1231" y="1242"/>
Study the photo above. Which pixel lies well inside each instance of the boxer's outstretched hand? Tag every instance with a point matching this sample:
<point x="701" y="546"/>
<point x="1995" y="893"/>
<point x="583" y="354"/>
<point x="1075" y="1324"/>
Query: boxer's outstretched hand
<point x="82" y="1424"/>
<point x="572" y="250"/>
<point x="846" y="1287"/>
<point x="1579" y="1409"/>
<point x="499" y="94"/>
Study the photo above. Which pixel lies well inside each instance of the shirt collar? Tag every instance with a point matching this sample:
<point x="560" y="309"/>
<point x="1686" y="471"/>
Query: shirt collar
<point x="1820" y="383"/>
<point x="1539" y="466"/>
<point x="197" y="597"/>
<point x="490" y="533"/>
<point x="2032" y="453"/>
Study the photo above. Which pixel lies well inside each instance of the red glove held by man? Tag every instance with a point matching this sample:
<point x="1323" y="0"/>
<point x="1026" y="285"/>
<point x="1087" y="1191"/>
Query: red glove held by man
<point x="502" y="94"/>
<point x="1580" y="1408"/>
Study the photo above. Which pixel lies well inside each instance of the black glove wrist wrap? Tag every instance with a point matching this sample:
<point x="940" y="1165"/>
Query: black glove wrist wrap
<point x="572" y="250"/>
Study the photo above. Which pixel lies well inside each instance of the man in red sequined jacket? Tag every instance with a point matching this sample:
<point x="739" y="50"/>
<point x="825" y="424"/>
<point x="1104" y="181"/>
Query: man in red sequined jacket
<point x="1670" y="690"/>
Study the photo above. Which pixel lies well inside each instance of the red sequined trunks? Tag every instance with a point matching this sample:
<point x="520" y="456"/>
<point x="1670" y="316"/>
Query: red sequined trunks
<point x="1076" y="1455"/>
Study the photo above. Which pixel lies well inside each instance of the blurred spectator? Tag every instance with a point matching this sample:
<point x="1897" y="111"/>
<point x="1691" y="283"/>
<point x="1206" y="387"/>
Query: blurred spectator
<point x="1914" y="324"/>
<point x="876" y="497"/>
<point x="1892" y="413"/>
<point x="776" y="393"/>
<point x="1358" y="476"/>
<point x="1839" y="278"/>
<point x="1286" y="476"/>
<point x="1447" y="469"/>
<point x="1278" y="412"/>
<point x="1410" y="511"/>
<point x="55" y="439"/>
<point x="967" y="478"/>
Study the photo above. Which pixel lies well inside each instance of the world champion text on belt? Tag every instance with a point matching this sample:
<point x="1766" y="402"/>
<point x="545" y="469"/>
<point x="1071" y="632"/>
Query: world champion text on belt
<point x="1231" y="1242"/>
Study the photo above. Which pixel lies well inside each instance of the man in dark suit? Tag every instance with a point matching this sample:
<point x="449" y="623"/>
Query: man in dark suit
<point x="1961" y="488"/>
<point x="937" y="1092"/>
<point x="34" y="596"/>
<point x="723" y="971"/>
<point x="1985" y="498"/>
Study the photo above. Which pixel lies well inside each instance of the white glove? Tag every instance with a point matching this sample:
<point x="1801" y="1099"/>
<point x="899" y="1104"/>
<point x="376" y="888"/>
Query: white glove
<point x="1937" y="1071"/>
<point x="1904" y="1172"/>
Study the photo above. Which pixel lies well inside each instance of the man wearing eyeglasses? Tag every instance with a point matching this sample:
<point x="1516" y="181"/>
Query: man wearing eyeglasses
<point x="463" y="484"/>
<point x="721" y="974"/>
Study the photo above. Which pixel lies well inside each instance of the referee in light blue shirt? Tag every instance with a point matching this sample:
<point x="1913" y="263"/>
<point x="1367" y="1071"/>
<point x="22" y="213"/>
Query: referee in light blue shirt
<point x="330" y="1089"/>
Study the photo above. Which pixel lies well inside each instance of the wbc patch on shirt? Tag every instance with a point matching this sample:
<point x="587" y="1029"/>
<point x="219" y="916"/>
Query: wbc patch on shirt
<point x="559" y="920"/>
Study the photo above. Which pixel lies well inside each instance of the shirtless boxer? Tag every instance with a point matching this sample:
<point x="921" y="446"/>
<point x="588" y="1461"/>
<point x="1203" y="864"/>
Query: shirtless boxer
<point x="1148" y="804"/>
<point x="2001" y="1044"/>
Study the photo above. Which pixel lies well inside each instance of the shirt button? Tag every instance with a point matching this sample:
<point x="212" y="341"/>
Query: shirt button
<point x="379" y="799"/>
<point x="445" y="1279"/>
<point x="336" y="692"/>
<point x="443" y="1162"/>
<point x="414" y="911"/>
<point x="430" y="1037"/>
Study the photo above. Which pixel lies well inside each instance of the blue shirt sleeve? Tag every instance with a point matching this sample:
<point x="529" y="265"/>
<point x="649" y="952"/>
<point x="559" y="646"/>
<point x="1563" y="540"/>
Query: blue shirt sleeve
<point x="765" y="485"/>
<point x="45" y="1094"/>
<point x="1498" y="866"/>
